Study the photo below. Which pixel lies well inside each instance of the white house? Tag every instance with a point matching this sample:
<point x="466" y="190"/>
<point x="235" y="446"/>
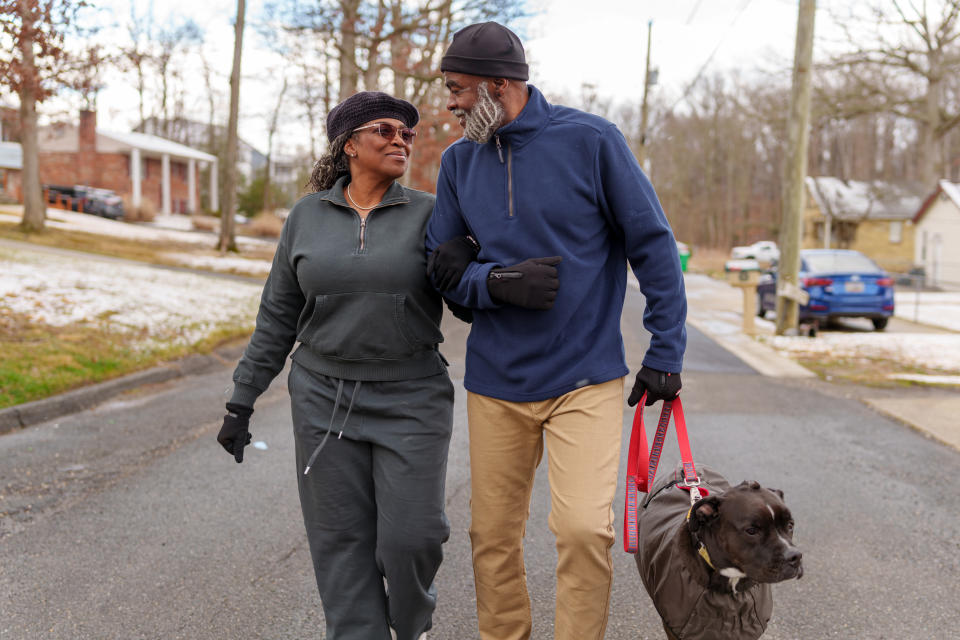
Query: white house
<point x="937" y="243"/>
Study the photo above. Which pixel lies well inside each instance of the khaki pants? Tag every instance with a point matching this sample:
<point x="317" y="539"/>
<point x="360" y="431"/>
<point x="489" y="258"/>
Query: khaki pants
<point x="582" y="431"/>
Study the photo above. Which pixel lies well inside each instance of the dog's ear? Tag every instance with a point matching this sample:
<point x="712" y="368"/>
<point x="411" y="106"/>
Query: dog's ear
<point x="704" y="512"/>
<point x="776" y="491"/>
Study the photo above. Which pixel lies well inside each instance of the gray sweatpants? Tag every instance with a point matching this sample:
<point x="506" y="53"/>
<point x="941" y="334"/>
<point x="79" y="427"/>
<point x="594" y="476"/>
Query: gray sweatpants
<point x="373" y="499"/>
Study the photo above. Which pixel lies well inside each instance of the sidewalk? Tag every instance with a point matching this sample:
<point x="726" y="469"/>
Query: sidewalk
<point x="715" y="308"/>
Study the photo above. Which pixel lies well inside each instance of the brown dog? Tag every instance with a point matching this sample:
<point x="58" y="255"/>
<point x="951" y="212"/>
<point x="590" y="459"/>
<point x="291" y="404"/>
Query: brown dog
<point x="709" y="567"/>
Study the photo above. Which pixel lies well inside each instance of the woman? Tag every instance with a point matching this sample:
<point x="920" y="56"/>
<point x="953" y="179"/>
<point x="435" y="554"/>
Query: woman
<point x="349" y="283"/>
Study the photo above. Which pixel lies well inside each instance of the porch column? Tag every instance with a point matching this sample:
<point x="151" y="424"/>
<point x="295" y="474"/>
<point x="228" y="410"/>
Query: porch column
<point x="214" y="196"/>
<point x="191" y="186"/>
<point x="165" y="184"/>
<point x="136" y="171"/>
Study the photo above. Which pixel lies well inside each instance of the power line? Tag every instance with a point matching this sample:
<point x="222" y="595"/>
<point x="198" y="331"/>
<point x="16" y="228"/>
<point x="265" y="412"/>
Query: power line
<point x="696" y="8"/>
<point x="686" y="92"/>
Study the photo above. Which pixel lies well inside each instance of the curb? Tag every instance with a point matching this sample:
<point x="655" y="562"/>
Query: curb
<point x="29" y="413"/>
<point x="763" y="359"/>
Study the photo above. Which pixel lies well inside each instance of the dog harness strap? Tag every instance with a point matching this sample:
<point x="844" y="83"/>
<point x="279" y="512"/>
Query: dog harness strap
<point x="638" y="459"/>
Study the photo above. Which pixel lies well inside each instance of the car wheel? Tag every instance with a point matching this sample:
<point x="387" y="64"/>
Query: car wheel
<point x="880" y="323"/>
<point x="761" y="313"/>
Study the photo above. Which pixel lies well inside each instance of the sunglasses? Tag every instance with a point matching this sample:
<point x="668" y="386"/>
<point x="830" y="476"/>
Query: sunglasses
<point x="388" y="131"/>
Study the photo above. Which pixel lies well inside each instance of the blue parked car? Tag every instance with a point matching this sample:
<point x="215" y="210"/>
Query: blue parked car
<point x="841" y="284"/>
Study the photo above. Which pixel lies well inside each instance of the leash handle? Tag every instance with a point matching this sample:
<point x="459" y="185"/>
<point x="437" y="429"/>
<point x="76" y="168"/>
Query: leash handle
<point x="638" y="459"/>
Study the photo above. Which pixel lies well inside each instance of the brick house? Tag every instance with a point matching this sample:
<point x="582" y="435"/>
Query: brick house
<point x="937" y="224"/>
<point x="11" y="164"/>
<point x="138" y="166"/>
<point x="874" y="218"/>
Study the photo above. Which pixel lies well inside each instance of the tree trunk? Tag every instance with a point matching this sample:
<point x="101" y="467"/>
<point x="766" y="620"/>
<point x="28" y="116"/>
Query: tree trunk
<point x="348" y="48"/>
<point x="34" y="208"/>
<point x="228" y="240"/>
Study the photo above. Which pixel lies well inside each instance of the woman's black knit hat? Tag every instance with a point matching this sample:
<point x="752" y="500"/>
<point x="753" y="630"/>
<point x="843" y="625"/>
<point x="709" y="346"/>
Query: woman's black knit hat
<point x="486" y="49"/>
<point x="366" y="106"/>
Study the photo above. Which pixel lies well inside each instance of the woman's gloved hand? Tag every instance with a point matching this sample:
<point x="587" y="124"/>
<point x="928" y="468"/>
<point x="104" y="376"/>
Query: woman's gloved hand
<point x="658" y="385"/>
<point x="235" y="433"/>
<point x="446" y="264"/>
<point x="532" y="284"/>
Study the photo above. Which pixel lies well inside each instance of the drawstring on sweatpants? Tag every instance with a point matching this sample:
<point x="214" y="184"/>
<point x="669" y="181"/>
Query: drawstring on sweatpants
<point x="336" y="404"/>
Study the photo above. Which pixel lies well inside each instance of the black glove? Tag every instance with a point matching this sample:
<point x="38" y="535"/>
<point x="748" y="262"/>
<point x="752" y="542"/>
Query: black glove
<point x="658" y="385"/>
<point x="532" y="284"/>
<point x="446" y="264"/>
<point x="235" y="434"/>
<point x="460" y="311"/>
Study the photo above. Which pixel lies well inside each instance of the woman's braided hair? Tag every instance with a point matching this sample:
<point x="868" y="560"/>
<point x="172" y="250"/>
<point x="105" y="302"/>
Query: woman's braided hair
<point x="331" y="166"/>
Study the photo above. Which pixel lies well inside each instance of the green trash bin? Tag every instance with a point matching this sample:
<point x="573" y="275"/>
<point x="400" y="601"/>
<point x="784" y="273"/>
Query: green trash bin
<point x="684" y="252"/>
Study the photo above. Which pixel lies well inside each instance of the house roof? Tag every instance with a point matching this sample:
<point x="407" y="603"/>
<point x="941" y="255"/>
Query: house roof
<point x="859" y="200"/>
<point x="155" y="144"/>
<point x="950" y="189"/>
<point x="11" y="155"/>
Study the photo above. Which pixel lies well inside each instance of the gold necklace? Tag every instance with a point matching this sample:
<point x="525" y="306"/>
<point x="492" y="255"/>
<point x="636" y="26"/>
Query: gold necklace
<point x="350" y="195"/>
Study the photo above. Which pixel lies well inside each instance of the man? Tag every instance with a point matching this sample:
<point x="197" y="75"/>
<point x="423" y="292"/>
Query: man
<point x="539" y="208"/>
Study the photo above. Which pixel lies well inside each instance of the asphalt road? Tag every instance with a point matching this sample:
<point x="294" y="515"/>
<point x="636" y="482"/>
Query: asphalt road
<point x="129" y="521"/>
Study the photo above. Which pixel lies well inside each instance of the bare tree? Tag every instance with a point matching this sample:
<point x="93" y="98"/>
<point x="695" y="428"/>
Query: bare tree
<point x="271" y="131"/>
<point x="228" y="241"/>
<point x="32" y="63"/>
<point x="172" y="40"/>
<point x="136" y="55"/>
<point x="906" y="69"/>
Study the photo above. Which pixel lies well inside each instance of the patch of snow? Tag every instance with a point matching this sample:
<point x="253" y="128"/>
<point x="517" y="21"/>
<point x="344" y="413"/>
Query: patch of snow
<point x="72" y="221"/>
<point x="918" y="377"/>
<point x="224" y="264"/>
<point x="157" y="306"/>
<point x="936" y="308"/>
<point x="922" y="350"/>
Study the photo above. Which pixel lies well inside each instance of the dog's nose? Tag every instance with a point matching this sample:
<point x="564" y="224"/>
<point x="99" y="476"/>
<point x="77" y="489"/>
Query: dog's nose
<point x="793" y="557"/>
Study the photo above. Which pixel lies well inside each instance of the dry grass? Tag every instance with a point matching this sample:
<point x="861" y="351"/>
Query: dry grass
<point x="707" y="261"/>
<point x="205" y="223"/>
<point x="265" y="225"/>
<point x="131" y="249"/>
<point x="38" y="360"/>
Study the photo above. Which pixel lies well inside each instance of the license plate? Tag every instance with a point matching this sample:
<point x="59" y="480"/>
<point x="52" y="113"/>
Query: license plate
<point x="853" y="287"/>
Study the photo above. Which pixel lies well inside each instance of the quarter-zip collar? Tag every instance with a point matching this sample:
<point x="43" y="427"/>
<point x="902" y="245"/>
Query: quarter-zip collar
<point x="532" y="119"/>
<point x="396" y="194"/>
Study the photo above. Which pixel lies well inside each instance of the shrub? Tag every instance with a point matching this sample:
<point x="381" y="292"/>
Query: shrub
<point x="146" y="212"/>
<point x="265" y="225"/>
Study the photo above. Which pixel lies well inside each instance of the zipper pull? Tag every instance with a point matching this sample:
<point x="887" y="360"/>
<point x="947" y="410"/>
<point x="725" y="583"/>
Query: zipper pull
<point x="499" y="148"/>
<point x="504" y="275"/>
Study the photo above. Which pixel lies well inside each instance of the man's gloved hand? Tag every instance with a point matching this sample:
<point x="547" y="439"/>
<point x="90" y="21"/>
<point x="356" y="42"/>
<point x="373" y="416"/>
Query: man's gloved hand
<point x="532" y="284"/>
<point x="459" y="311"/>
<point x="659" y="385"/>
<point x="235" y="434"/>
<point x="446" y="264"/>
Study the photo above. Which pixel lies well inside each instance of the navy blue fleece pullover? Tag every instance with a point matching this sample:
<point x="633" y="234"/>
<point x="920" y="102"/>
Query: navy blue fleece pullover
<point x="557" y="181"/>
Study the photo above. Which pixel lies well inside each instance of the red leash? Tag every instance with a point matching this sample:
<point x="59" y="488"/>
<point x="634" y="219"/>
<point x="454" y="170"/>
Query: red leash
<point x="639" y="459"/>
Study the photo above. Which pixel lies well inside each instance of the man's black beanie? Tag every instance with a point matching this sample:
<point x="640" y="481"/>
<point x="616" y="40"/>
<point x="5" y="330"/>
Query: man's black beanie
<point x="366" y="106"/>
<point x="486" y="49"/>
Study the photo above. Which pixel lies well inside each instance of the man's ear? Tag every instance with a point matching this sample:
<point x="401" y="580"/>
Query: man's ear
<point x="704" y="512"/>
<point x="500" y="86"/>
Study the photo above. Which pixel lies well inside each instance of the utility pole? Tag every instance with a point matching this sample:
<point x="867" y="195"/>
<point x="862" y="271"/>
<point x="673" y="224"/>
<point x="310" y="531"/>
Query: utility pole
<point x="644" y="111"/>
<point x="788" y="292"/>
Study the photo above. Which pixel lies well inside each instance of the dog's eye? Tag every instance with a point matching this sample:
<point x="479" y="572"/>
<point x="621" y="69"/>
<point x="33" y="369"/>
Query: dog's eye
<point x="790" y="526"/>
<point x="751" y="531"/>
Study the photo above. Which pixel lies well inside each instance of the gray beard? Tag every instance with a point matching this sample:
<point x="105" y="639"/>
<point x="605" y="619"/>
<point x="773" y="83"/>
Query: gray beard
<point x="483" y="119"/>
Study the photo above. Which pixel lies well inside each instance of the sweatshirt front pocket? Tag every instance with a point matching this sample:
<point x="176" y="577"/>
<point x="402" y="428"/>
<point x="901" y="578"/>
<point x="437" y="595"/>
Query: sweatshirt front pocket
<point x="359" y="326"/>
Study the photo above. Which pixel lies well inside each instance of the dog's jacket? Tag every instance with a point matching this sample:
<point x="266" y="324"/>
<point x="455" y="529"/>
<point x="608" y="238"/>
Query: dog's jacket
<point x="676" y="577"/>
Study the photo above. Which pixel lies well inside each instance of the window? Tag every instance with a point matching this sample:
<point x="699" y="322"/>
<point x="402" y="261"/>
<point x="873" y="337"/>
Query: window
<point x="896" y="231"/>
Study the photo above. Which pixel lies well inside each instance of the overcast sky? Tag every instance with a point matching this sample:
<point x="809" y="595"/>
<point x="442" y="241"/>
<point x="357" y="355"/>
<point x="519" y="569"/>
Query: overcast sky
<point x="569" y="43"/>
